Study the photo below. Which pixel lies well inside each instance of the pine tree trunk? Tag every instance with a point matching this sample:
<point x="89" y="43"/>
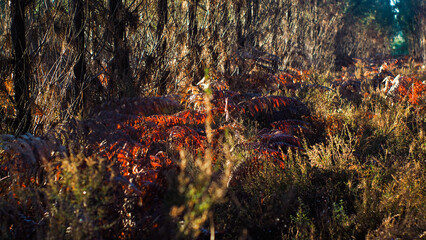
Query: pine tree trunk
<point x="239" y="25"/>
<point x="120" y="66"/>
<point x="194" y="62"/>
<point x="80" y="66"/>
<point x="423" y="32"/>
<point x="212" y="34"/>
<point x="162" y="21"/>
<point x="21" y="80"/>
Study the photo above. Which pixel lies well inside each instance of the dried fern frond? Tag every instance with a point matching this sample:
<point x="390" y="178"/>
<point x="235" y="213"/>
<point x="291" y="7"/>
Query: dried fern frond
<point x="266" y="110"/>
<point x="185" y="137"/>
<point x="251" y="166"/>
<point x="22" y="157"/>
<point x="186" y="117"/>
<point x="143" y="106"/>
<point x="25" y="150"/>
<point x="293" y="127"/>
<point x="278" y="139"/>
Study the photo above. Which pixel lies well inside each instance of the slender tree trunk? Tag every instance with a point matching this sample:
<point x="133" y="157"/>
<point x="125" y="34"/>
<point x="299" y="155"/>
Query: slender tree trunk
<point x="224" y="23"/>
<point x="162" y="21"/>
<point x="423" y="41"/>
<point x="275" y="21"/>
<point x="422" y="34"/>
<point x="80" y="66"/>
<point x="212" y="35"/>
<point x="21" y="79"/>
<point x="120" y="64"/>
<point x="239" y="26"/>
<point x="194" y="62"/>
<point x="193" y="24"/>
<point x="256" y="9"/>
<point x="162" y="17"/>
<point x="248" y="22"/>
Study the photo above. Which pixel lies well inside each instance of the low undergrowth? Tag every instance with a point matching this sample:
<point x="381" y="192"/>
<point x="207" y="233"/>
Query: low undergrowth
<point x="304" y="157"/>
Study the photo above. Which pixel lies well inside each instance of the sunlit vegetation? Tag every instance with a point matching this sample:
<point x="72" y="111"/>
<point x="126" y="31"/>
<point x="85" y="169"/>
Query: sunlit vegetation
<point x="212" y="120"/>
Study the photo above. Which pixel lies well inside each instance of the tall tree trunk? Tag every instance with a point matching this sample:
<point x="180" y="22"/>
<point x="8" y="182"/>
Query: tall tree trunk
<point x="162" y="21"/>
<point x="224" y="23"/>
<point x="256" y="8"/>
<point x="21" y="79"/>
<point x="212" y="34"/>
<point x="120" y="66"/>
<point x="193" y="24"/>
<point x="423" y="40"/>
<point x="275" y="20"/>
<point x="194" y="62"/>
<point x="422" y="30"/>
<point x="248" y="22"/>
<point x="80" y="66"/>
<point x="162" y="17"/>
<point x="239" y="26"/>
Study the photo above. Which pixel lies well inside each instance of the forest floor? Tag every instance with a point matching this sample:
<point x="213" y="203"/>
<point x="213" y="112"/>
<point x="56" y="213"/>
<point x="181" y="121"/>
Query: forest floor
<point x="288" y="155"/>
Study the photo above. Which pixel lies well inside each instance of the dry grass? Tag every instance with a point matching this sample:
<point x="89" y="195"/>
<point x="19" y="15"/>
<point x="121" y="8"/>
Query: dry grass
<point x="357" y="173"/>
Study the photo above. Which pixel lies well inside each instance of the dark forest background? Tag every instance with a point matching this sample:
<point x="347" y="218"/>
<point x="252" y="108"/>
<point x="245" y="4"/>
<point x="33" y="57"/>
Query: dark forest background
<point x="60" y="58"/>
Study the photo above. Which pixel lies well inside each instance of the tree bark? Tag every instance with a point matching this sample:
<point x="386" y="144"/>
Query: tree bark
<point x="194" y="62"/>
<point x="21" y="79"/>
<point x="239" y="26"/>
<point x="162" y="21"/>
<point x="248" y="23"/>
<point x="80" y="66"/>
<point x="212" y="33"/>
<point x="120" y="66"/>
<point x="422" y="19"/>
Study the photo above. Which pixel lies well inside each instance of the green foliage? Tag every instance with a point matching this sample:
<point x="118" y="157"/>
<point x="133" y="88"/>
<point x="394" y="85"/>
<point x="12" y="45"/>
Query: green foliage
<point x="411" y="17"/>
<point x="380" y="10"/>
<point x="367" y="29"/>
<point x="399" y="44"/>
<point x="407" y="11"/>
